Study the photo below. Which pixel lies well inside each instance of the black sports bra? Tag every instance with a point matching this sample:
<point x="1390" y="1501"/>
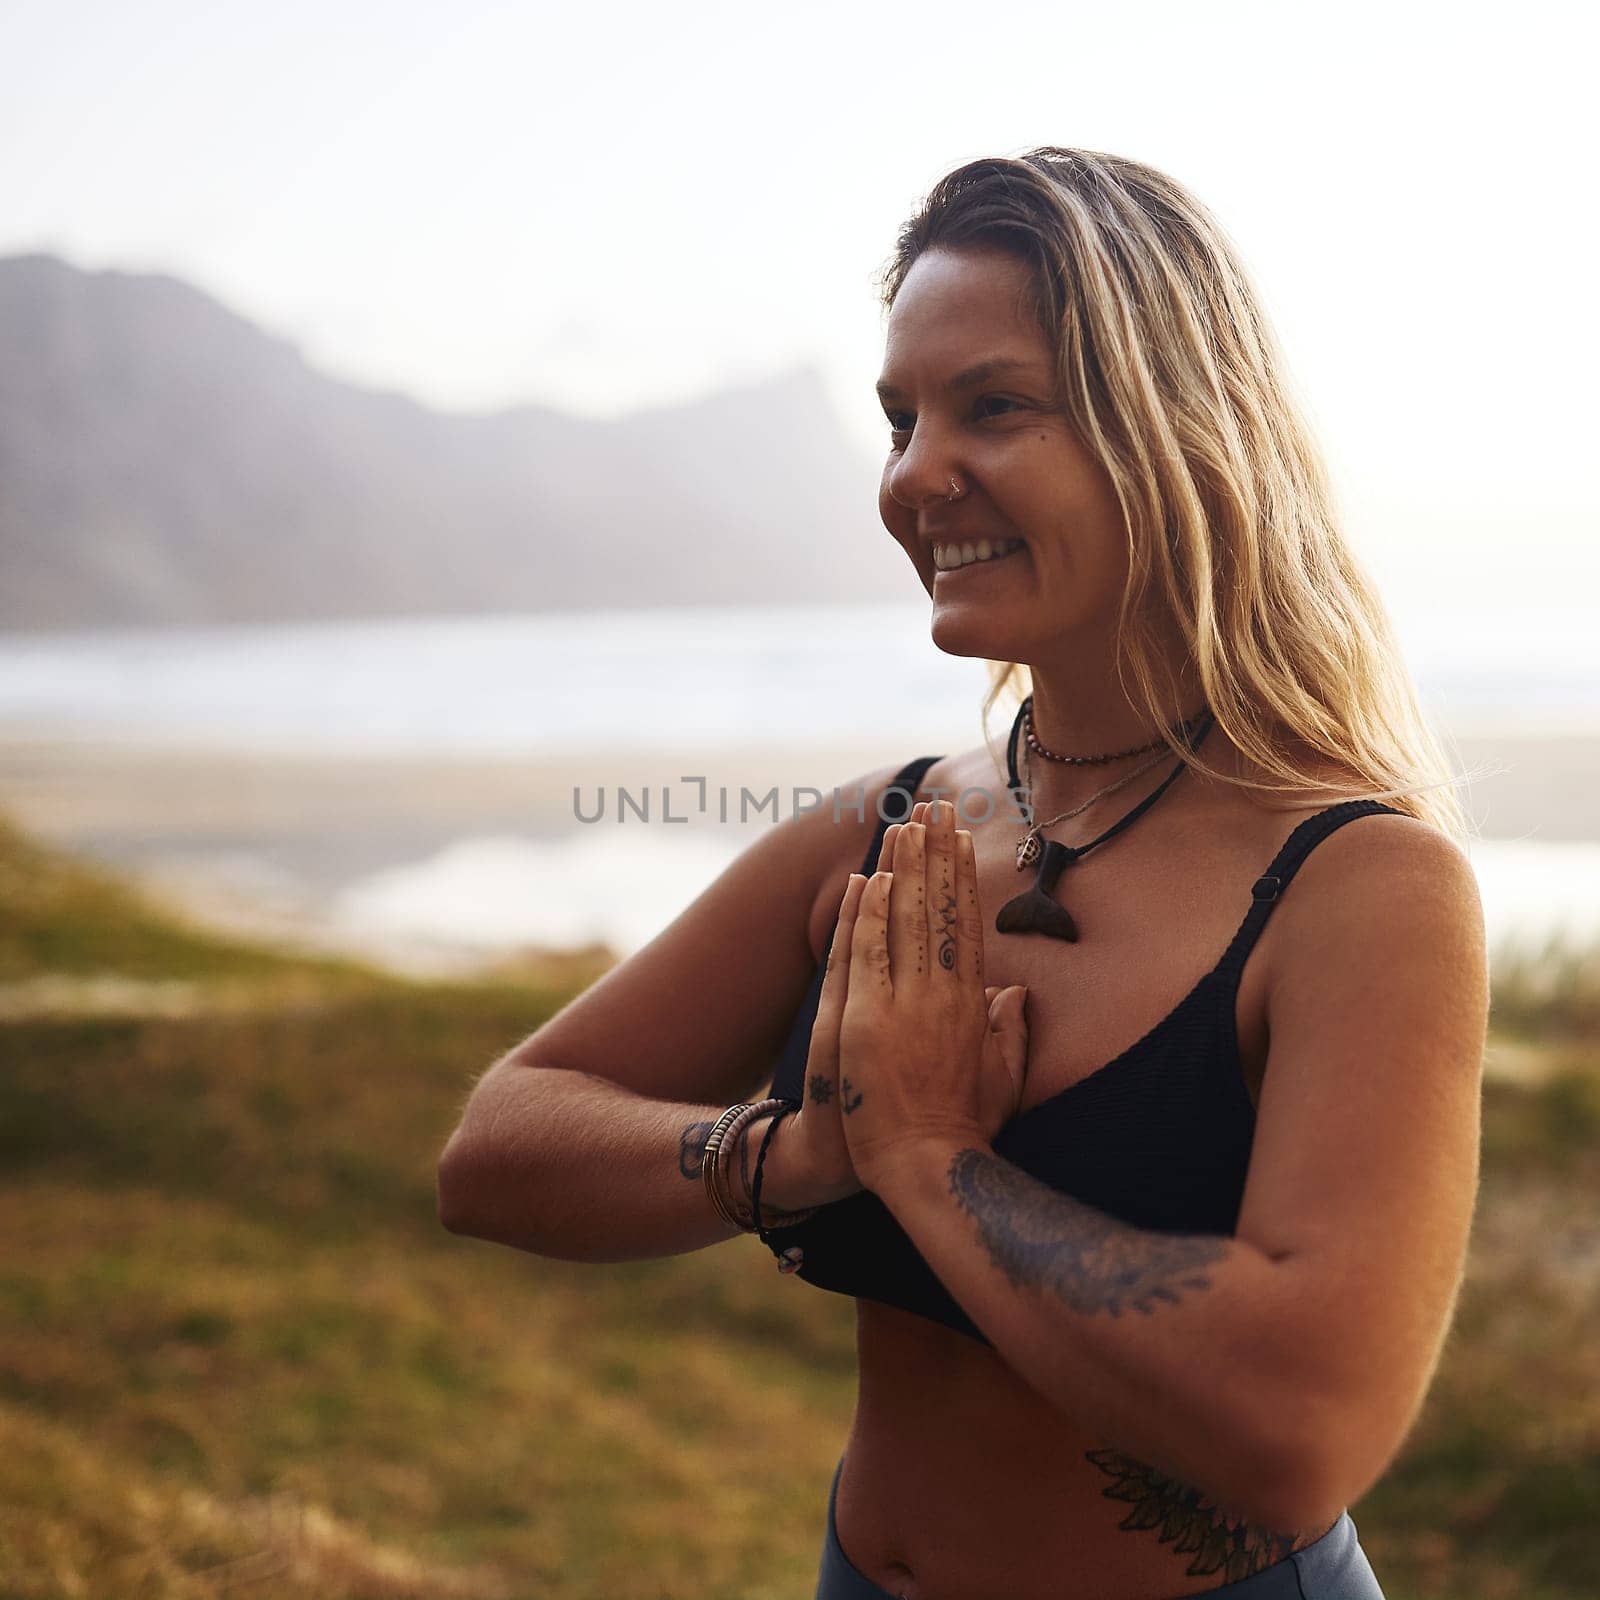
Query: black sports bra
<point x="1160" y="1136"/>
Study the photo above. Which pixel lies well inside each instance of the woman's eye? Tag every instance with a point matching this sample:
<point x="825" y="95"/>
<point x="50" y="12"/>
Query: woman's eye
<point x="900" y="422"/>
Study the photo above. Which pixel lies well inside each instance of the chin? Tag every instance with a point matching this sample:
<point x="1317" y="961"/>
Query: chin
<point x="971" y="631"/>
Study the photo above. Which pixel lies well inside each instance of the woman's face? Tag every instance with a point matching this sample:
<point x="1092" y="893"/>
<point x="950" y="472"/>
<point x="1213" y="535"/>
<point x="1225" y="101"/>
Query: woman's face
<point x="967" y="391"/>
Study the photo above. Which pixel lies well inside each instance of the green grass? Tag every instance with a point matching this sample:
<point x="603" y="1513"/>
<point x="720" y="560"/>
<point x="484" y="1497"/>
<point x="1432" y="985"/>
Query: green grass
<point x="1547" y="989"/>
<point x="239" y="1355"/>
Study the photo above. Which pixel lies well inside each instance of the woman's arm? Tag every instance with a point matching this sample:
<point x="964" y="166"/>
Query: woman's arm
<point x="576" y="1167"/>
<point x="1279" y="1369"/>
<point x="584" y="1141"/>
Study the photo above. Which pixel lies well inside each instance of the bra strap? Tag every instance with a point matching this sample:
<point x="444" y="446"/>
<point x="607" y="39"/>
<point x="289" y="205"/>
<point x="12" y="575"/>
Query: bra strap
<point x="898" y="799"/>
<point x="1268" y="889"/>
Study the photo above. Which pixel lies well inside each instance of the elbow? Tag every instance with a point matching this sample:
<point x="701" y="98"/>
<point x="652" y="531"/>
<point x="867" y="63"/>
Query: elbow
<point x="459" y="1180"/>
<point x="453" y="1189"/>
<point x="1311" y="1477"/>
<point x="1296" y="1500"/>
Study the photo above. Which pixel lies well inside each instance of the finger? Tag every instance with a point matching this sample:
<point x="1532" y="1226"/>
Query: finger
<point x="835" y="978"/>
<point x="969" y="919"/>
<point x="940" y="870"/>
<point x="886" y="852"/>
<point x="869" y="981"/>
<point x="908" y="917"/>
<point x="822" y="1059"/>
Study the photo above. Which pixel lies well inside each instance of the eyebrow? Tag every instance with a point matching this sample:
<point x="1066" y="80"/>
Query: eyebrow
<point x="970" y="378"/>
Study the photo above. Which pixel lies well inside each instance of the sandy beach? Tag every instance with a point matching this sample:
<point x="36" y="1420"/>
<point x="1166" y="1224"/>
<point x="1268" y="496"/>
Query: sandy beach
<point x="264" y="842"/>
<point x="268" y="842"/>
<point x="291" y="847"/>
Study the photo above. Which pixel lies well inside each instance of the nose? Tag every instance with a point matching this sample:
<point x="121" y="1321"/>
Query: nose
<point x="923" y="476"/>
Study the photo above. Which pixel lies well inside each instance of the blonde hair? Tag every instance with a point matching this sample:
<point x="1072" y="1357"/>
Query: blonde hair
<point x="1173" y="379"/>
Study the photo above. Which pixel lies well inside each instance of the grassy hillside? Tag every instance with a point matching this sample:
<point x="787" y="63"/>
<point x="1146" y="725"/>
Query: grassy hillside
<point x="238" y="1355"/>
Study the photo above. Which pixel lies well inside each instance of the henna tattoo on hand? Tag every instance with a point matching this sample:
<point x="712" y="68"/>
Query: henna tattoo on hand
<point x="1041" y="1238"/>
<point x="692" y="1148"/>
<point x="847" y="1104"/>
<point x="821" y="1089"/>
<point x="1192" y="1522"/>
<point x="946" y="913"/>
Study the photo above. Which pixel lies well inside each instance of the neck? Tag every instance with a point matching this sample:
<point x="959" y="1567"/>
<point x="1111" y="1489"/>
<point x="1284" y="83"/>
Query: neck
<point x="1073" y="724"/>
<point x="1087" y="714"/>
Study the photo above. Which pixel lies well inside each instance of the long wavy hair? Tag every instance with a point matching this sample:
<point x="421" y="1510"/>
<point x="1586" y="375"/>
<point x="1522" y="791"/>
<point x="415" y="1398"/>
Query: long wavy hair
<point x="1174" y="380"/>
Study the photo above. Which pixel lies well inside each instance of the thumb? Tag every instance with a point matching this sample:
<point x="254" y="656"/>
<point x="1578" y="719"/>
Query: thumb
<point x="1008" y="1020"/>
<point x="1007" y="1008"/>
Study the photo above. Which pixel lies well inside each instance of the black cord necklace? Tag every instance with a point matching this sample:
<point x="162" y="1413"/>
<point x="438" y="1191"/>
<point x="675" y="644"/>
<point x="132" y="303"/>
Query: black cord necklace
<point x="1034" y="910"/>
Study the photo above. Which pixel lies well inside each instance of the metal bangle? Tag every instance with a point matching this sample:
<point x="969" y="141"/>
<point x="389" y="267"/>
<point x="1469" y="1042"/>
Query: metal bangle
<point x="708" y="1157"/>
<point x="727" y="1148"/>
<point x="727" y="1129"/>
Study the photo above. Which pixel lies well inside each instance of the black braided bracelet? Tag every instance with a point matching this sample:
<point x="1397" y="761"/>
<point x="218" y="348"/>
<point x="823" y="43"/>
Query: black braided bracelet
<point x="761" y="1156"/>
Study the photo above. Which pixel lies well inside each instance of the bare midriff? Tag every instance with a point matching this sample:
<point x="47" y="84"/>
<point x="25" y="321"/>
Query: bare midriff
<point x="959" y="1480"/>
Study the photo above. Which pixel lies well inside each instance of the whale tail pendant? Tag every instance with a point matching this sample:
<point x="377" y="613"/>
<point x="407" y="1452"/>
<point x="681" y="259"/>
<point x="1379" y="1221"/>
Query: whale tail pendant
<point x="1034" y="911"/>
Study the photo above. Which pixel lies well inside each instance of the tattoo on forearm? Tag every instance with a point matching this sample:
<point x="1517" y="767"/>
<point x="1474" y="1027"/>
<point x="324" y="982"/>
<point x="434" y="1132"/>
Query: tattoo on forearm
<point x="1044" y="1239"/>
<point x="849" y="1097"/>
<point x="692" y="1148"/>
<point x="1189" y="1520"/>
<point x="821" y="1089"/>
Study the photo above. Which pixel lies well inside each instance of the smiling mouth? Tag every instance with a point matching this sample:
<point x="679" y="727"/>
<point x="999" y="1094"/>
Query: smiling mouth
<point x="949" y="558"/>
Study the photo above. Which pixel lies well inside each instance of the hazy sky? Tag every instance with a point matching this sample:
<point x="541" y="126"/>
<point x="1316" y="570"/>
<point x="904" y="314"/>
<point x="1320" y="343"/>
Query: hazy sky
<point x="603" y="207"/>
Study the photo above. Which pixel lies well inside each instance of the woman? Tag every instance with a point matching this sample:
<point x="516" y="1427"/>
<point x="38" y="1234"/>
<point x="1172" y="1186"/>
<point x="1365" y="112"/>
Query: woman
<point x="1140" y="1099"/>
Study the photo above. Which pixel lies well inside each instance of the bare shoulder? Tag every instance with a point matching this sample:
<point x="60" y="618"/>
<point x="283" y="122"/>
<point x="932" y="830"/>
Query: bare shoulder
<point x="1386" y="890"/>
<point x="1382" y="887"/>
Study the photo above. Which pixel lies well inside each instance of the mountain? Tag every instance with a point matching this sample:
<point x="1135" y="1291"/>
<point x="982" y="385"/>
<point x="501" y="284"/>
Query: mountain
<point x="164" y="461"/>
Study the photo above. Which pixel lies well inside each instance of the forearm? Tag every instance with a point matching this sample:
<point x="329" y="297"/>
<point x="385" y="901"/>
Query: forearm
<point x="565" y="1164"/>
<point x="1174" y="1348"/>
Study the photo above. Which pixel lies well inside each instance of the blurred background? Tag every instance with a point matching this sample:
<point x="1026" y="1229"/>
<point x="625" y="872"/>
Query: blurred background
<point x="415" y="425"/>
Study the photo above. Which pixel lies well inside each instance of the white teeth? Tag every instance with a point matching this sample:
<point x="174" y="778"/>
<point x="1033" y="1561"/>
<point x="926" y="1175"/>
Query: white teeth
<point x="947" y="557"/>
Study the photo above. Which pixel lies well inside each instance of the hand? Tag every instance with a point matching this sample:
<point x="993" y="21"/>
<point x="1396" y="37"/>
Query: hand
<point x="926" y="1051"/>
<point x="814" y="1160"/>
<point x="809" y="1162"/>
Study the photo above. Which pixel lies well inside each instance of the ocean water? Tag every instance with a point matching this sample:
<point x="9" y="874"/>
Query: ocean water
<point x="797" y="675"/>
<point x="791" y="677"/>
<point x="493" y="892"/>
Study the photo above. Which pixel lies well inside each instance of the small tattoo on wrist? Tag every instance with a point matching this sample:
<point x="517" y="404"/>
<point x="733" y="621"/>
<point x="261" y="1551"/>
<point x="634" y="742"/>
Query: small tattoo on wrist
<point x="692" y="1148"/>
